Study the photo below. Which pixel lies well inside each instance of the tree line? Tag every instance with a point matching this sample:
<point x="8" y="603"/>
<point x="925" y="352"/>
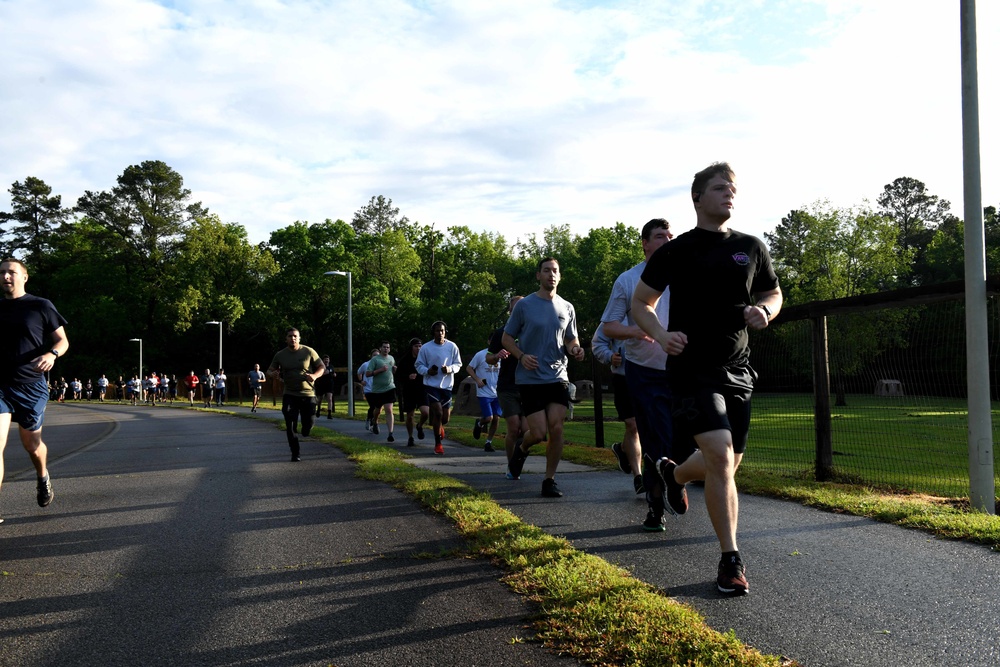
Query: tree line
<point x="142" y="260"/>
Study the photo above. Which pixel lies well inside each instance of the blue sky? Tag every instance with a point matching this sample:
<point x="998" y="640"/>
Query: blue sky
<point x="502" y="116"/>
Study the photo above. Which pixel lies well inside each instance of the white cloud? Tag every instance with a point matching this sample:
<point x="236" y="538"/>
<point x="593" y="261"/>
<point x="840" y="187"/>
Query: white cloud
<point x="500" y="116"/>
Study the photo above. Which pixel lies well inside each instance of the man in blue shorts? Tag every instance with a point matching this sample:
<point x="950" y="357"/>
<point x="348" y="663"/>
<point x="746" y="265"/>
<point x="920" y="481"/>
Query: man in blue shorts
<point x="541" y="335"/>
<point x="721" y="283"/>
<point x="32" y="337"/>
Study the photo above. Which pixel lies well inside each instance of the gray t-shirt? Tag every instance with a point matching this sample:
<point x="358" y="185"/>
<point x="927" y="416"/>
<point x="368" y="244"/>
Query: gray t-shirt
<point x="542" y="327"/>
<point x="619" y="309"/>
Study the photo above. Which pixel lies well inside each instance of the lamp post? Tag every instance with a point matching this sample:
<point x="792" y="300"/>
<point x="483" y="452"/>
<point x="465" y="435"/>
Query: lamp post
<point x="138" y="340"/>
<point x="350" y="342"/>
<point x="219" y="367"/>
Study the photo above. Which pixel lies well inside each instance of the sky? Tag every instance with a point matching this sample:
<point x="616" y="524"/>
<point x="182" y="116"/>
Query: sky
<point x="502" y="116"/>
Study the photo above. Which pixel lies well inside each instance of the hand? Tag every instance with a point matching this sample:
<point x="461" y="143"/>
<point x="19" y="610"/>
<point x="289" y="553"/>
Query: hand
<point x="755" y="317"/>
<point x="42" y="364"/>
<point x="529" y="361"/>
<point x="503" y="354"/>
<point x="577" y="352"/>
<point x="674" y="342"/>
<point x="482" y="382"/>
<point x="432" y="371"/>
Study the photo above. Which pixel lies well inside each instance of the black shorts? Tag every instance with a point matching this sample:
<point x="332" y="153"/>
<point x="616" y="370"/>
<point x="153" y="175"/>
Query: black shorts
<point x="537" y="397"/>
<point x="382" y="398"/>
<point x="413" y="397"/>
<point x="710" y="400"/>
<point x="324" y="385"/>
<point x="623" y="397"/>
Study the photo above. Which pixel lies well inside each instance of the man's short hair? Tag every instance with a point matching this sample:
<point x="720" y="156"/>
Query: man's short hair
<point x="385" y="342"/>
<point x="542" y="261"/>
<point x="291" y="329"/>
<point x="702" y="178"/>
<point x="11" y="260"/>
<point x="655" y="223"/>
<point x="439" y="322"/>
<point x="415" y="341"/>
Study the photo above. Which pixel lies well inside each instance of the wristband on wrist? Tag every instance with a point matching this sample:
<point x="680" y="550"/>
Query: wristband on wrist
<point x="767" y="311"/>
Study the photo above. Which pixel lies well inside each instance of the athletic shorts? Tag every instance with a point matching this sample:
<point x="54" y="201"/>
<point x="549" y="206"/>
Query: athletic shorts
<point x="382" y="398"/>
<point x="413" y="397"/>
<point x="25" y="403"/>
<point x="537" y="397"/>
<point x="489" y="406"/>
<point x="651" y="401"/>
<point x="710" y="400"/>
<point x="510" y="402"/>
<point x="256" y="390"/>
<point x="324" y="385"/>
<point x="438" y="395"/>
<point x="623" y="397"/>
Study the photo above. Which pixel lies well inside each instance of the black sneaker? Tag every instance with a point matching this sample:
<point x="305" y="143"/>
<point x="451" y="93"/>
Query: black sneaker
<point x="45" y="492"/>
<point x="655" y="489"/>
<point x="550" y="489"/>
<point x="732" y="576"/>
<point x="477" y="430"/>
<point x="368" y="424"/>
<point x="411" y="443"/>
<point x="420" y="432"/>
<point x="296" y="458"/>
<point x="517" y="459"/>
<point x="653" y="523"/>
<point x="390" y="438"/>
<point x="623" y="463"/>
<point x="375" y="429"/>
<point x="488" y="447"/>
<point x="677" y="496"/>
<point x="329" y="416"/>
<point x="639" y="486"/>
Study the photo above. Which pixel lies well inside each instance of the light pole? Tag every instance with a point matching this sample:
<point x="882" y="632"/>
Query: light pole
<point x="138" y="340"/>
<point x="219" y="367"/>
<point x="350" y="342"/>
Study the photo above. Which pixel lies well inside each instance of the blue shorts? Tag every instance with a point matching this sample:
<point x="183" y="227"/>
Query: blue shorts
<point x="25" y="403"/>
<point x="488" y="407"/>
<point x="438" y="395"/>
<point x="650" y="396"/>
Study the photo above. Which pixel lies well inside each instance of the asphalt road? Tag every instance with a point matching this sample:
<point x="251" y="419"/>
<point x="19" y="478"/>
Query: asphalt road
<point x="187" y="538"/>
<point x="179" y="537"/>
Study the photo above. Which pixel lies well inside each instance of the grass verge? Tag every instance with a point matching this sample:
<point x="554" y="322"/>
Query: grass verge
<point x="588" y="608"/>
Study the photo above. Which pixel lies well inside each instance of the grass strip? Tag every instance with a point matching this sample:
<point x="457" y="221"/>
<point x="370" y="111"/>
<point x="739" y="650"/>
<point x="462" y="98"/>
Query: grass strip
<point x="589" y="609"/>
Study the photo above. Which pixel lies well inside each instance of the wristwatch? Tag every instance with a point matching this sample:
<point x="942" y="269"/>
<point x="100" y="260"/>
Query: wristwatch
<point x="54" y="352"/>
<point x="767" y="311"/>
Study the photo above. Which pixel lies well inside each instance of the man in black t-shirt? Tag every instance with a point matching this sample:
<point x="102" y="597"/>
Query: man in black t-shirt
<point x="32" y="337"/>
<point x="507" y="391"/>
<point x="721" y="283"/>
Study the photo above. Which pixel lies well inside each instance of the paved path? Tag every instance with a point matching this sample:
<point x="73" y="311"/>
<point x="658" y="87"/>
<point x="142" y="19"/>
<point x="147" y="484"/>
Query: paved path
<point x="180" y="537"/>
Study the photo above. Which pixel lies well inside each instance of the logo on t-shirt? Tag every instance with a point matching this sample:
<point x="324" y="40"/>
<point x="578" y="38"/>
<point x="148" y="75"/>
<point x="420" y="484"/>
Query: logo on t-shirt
<point x="741" y="258"/>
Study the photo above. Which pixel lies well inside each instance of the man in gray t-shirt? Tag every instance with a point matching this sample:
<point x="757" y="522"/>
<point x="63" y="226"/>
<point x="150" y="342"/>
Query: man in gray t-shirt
<point x="541" y="335"/>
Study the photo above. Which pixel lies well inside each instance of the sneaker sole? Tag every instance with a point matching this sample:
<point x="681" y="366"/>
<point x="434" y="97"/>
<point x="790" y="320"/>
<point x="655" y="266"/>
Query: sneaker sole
<point x="667" y="478"/>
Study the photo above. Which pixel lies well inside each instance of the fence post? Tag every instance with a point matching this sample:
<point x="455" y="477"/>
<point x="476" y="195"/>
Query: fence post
<point x="821" y="389"/>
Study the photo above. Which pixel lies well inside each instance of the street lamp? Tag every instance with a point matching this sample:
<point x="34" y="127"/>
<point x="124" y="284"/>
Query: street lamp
<point x="220" y="342"/>
<point x="138" y="340"/>
<point x="350" y="342"/>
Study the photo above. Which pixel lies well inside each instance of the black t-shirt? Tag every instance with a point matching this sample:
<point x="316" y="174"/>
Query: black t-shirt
<point x="405" y="366"/>
<point x="508" y="366"/>
<point x="711" y="276"/>
<point x="26" y="326"/>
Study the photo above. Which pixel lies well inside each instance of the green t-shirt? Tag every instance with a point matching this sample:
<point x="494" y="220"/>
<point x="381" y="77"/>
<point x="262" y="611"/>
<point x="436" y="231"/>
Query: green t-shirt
<point x="294" y="366"/>
<point x="384" y="381"/>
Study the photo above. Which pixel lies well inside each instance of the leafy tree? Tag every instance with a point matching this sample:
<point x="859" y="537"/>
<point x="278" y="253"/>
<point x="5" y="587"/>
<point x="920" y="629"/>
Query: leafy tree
<point x="34" y="216"/>
<point x="917" y="214"/>
<point x="378" y="216"/>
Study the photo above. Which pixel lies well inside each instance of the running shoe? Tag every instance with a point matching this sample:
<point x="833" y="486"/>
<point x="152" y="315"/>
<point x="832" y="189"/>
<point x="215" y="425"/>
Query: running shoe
<point x="677" y="497"/>
<point x="411" y="443"/>
<point x="368" y="424"/>
<point x="517" y="460"/>
<point x="390" y="438"/>
<point x="477" y="430"/>
<point x="488" y="447"/>
<point x="653" y="523"/>
<point x="550" y="489"/>
<point x="439" y="448"/>
<point x="375" y="429"/>
<point x="45" y="492"/>
<point x="509" y="475"/>
<point x="639" y="486"/>
<point x="623" y="463"/>
<point x="420" y="432"/>
<point x="732" y="576"/>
